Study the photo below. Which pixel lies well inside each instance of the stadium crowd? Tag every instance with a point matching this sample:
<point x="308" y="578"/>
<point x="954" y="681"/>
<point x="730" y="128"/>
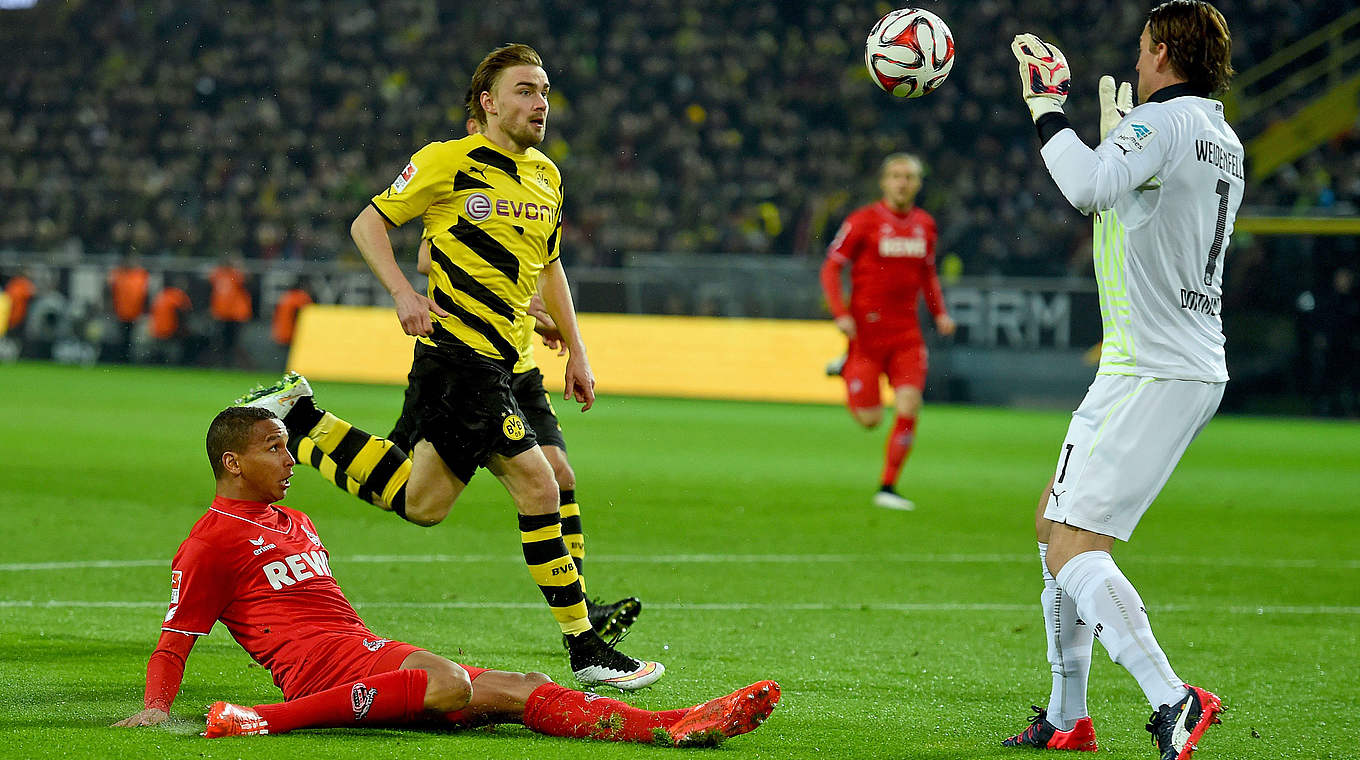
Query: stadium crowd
<point x="687" y="125"/>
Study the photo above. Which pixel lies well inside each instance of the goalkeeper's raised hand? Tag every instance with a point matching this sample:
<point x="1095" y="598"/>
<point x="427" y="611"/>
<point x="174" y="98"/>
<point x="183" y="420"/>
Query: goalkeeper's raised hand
<point x="1113" y="106"/>
<point x="1044" y="77"/>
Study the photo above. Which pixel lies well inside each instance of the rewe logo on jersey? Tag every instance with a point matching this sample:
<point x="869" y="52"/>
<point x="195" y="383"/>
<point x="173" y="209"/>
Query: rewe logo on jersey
<point x="296" y="568"/>
<point x="900" y="247"/>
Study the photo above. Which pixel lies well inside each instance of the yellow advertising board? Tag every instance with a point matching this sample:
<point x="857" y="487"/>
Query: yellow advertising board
<point x="635" y="355"/>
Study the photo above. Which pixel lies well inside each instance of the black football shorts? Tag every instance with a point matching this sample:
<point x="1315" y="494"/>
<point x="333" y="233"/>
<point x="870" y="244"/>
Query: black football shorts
<point x="461" y="402"/>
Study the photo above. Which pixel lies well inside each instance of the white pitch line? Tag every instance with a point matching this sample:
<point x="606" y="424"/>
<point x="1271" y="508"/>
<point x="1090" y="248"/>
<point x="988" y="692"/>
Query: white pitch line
<point x="752" y="559"/>
<point x="744" y="607"/>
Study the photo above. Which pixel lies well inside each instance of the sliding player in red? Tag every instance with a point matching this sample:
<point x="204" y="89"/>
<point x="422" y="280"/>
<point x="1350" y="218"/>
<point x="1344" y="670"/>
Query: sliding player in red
<point x="890" y="247"/>
<point x="261" y="569"/>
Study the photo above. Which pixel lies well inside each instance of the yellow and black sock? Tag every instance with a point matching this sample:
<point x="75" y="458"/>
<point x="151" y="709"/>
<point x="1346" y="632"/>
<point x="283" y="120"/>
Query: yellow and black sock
<point x="572" y="535"/>
<point x="372" y="468"/>
<point x="554" y="570"/>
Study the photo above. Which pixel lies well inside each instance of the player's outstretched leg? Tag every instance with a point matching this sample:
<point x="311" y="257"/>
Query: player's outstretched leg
<point x="1044" y="735"/>
<point x="737" y="713"/>
<point x="364" y="465"/>
<point x="398" y="696"/>
<point x="1177" y="728"/>
<point x="558" y="711"/>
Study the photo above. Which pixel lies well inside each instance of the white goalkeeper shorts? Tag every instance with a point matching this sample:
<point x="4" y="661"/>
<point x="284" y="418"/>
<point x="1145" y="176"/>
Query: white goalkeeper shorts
<point x="1124" y="441"/>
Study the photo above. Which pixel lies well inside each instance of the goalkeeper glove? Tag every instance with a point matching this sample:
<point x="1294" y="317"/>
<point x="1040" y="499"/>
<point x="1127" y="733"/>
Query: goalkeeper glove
<point x="1044" y="77"/>
<point x="1113" y="107"/>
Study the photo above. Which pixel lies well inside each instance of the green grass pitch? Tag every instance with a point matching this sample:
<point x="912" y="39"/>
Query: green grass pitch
<point x="747" y="531"/>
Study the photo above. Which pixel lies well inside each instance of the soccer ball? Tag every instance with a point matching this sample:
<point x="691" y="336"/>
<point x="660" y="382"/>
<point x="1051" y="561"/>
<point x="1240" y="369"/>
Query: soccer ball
<point x="909" y="52"/>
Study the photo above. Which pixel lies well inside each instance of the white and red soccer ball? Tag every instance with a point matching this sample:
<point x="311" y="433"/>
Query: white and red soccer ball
<point x="909" y="52"/>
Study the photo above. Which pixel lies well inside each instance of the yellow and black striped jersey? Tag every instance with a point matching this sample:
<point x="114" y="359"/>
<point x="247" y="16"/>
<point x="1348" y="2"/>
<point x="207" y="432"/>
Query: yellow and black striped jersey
<point x="524" y="331"/>
<point x="494" y="221"/>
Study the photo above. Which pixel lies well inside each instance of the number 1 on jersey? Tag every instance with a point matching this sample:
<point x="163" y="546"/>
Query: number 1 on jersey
<point x="1220" y="229"/>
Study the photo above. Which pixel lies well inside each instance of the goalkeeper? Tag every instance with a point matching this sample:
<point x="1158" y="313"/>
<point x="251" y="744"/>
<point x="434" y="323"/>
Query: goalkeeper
<point x="1171" y="169"/>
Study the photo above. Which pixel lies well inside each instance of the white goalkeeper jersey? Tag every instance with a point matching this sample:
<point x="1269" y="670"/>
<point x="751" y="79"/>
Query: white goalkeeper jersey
<point x="1172" y="171"/>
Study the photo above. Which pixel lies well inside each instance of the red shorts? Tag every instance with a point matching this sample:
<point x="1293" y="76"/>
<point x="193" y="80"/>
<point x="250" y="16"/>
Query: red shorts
<point x="903" y="363"/>
<point x="346" y="658"/>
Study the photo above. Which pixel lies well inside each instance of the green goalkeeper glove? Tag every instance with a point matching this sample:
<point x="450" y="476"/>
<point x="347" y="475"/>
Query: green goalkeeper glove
<point x="1044" y="77"/>
<point x="1113" y="106"/>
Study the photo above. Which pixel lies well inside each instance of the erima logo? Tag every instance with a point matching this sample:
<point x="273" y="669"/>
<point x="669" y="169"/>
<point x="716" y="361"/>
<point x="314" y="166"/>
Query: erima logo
<point x="262" y="546"/>
<point x="296" y="568"/>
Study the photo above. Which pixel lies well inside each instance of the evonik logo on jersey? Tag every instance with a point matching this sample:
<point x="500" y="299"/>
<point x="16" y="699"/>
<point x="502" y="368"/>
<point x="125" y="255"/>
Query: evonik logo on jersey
<point x="296" y="568"/>
<point x="479" y="207"/>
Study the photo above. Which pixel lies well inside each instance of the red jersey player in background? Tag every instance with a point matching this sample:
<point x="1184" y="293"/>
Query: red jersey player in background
<point x="890" y="247"/>
<point x="261" y="569"/>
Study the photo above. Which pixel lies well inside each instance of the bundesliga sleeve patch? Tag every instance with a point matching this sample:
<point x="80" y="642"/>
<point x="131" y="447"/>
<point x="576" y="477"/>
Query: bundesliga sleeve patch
<point x="405" y="177"/>
<point x="1136" y="135"/>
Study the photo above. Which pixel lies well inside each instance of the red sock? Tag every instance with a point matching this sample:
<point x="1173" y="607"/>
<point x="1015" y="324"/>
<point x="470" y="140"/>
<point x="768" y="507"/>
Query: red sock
<point x="899" y="446"/>
<point x="670" y="716"/>
<point x="397" y="696"/>
<point x="558" y="711"/>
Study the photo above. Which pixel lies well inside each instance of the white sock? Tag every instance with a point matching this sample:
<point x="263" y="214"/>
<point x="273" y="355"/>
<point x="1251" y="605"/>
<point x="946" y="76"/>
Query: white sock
<point x="1111" y="606"/>
<point x="1069" y="651"/>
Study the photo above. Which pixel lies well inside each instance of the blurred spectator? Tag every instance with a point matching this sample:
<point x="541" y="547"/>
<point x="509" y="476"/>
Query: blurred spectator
<point x="168" y="325"/>
<point x="286" y="314"/>
<point x="1338" y="318"/>
<point x="128" y="287"/>
<point x="20" y="290"/>
<point x="231" y="307"/>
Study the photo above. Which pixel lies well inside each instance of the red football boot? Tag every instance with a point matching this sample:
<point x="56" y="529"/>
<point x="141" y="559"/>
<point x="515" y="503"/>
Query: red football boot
<point x="738" y="713"/>
<point x="1044" y="735"/>
<point x="226" y="719"/>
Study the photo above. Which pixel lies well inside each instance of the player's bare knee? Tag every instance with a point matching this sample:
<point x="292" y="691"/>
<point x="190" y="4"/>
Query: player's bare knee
<point x="427" y="512"/>
<point x="868" y="418"/>
<point x="565" y="476"/>
<point x="907" y="402"/>
<point x="535" y="679"/>
<point x="540" y="497"/>
<point x="449" y="688"/>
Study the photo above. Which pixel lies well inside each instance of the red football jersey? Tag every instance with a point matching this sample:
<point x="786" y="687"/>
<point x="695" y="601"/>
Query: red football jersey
<point x="892" y="263"/>
<point x="264" y="573"/>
